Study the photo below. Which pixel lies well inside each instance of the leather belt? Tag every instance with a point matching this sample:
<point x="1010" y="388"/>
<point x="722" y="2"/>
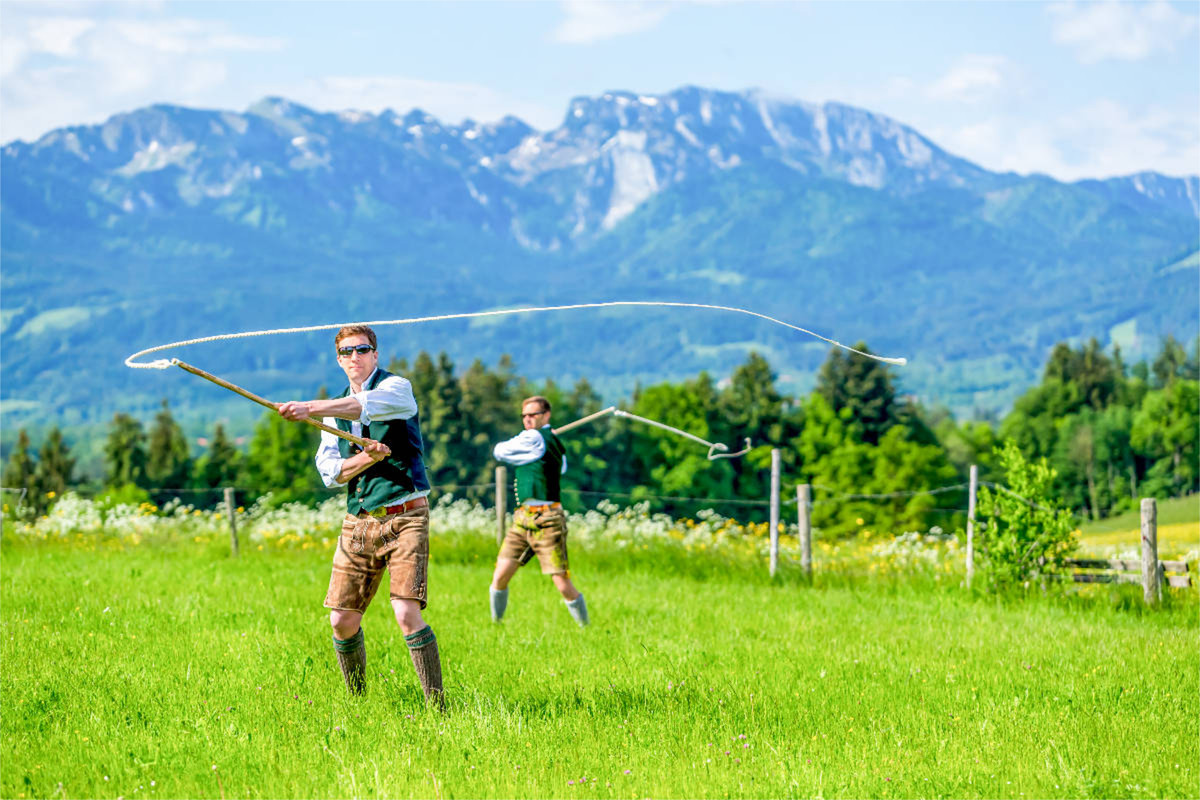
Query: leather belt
<point x="541" y="507"/>
<point x="400" y="508"/>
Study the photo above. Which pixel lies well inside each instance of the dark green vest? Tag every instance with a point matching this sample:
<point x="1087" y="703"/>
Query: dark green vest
<point x="538" y="480"/>
<point x="400" y="474"/>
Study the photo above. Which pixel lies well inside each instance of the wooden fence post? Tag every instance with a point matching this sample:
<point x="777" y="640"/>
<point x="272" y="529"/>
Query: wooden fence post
<point x="974" y="485"/>
<point x="804" y="525"/>
<point x="501" y="502"/>
<point x="1151" y="574"/>
<point x="231" y="510"/>
<point x="775" y="469"/>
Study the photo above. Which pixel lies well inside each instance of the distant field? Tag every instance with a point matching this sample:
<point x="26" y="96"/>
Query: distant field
<point x="1178" y="530"/>
<point x="131" y="671"/>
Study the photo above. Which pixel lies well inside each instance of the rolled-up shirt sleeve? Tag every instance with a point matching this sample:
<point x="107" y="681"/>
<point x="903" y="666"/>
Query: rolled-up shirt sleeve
<point x="391" y="399"/>
<point x="329" y="457"/>
<point x="524" y="448"/>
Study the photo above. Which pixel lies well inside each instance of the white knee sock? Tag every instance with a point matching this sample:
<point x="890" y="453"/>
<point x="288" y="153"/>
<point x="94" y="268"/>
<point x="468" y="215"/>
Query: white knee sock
<point x="578" y="609"/>
<point x="499" y="598"/>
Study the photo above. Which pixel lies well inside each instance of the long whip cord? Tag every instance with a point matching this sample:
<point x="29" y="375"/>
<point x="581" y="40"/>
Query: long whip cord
<point x="163" y="363"/>
<point x="715" y="449"/>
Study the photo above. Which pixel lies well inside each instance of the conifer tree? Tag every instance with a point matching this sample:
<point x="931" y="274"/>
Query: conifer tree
<point x="489" y="407"/>
<point x="125" y="453"/>
<point x="446" y="453"/>
<point x="1170" y="363"/>
<point x="19" y="474"/>
<point x="220" y="466"/>
<point x="168" y="462"/>
<point x="54" y="470"/>
<point x="863" y="386"/>
<point x="280" y="460"/>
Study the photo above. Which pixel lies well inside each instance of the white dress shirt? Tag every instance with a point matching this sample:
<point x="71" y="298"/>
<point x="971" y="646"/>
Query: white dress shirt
<point x="391" y="399"/>
<point x="525" y="448"/>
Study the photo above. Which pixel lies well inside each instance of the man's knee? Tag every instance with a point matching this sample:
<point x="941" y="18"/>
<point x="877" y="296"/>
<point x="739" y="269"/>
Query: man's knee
<point x="562" y="582"/>
<point x="505" y="569"/>
<point x="408" y="615"/>
<point x="345" y="623"/>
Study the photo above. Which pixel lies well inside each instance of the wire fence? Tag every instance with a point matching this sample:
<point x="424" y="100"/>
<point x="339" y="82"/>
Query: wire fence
<point x="636" y="496"/>
<point x="481" y="490"/>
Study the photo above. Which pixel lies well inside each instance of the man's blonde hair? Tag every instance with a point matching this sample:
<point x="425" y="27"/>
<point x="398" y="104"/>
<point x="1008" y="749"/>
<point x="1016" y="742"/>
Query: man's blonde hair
<point x="537" y="398"/>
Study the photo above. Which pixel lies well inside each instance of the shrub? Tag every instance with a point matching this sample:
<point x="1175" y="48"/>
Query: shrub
<point x="1023" y="535"/>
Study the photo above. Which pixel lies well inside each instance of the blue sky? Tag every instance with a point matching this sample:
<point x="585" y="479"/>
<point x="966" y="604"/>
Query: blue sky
<point x="1070" y="89"/>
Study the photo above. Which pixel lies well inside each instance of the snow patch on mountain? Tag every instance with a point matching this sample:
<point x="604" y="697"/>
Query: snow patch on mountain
<point x="821" y="127"/>
<point x="633" y="175"/>
<point x="682" y="129"/>
<point x="155" y="157"/>
<point x="867" y="170"/>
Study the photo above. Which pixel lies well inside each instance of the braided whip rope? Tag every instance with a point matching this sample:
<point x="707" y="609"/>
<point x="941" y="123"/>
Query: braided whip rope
<point x="715" y="449"/>
<point x="163" y="363"/>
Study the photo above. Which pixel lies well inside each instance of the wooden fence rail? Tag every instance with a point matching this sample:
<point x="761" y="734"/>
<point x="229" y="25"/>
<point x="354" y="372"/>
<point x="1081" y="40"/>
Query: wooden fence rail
<point x="1123" y="571"/>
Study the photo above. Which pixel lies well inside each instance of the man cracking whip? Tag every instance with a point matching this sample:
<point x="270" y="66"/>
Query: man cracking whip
<point x="387" y="513"/>
<point x="539" y="521"/>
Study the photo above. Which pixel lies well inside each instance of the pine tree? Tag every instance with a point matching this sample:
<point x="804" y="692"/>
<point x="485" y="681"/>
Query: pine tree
<point x="168" y="461"/>
<point x="445" y="445"/>
<point x="1170" y="364"/>
<point x="54" y="468"/>
<point x="280" y="460"/>
<point x="19" y="475"/>
<point x="125" y="453"/>
<point x="423" y="377"/>
<point x="863" y="387"/>
<point x="220" y="466"/>
<point x="489" y="407"/>
<point x="751" y="404"/>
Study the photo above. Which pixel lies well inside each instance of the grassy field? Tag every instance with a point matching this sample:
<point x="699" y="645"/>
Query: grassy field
<point x="1172" y="511"/>
<point x="169" y="669"/>
<point x="1178" y="531"/>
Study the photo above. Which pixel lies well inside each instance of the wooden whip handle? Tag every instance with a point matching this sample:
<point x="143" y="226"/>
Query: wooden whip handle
<point x="583" y="421"/>
<point x="266" y="403"/>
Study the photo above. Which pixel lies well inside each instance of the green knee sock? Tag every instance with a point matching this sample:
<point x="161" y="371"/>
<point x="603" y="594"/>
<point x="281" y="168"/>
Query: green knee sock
<point x="422" y="646"/>
<point x="352" y="658"/>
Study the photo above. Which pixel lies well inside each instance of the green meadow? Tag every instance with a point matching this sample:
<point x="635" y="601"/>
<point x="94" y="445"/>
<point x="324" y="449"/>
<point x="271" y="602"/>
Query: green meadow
<point x="170" y="669"/>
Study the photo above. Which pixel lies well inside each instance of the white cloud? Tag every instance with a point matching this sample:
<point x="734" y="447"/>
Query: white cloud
<point x="58" y="36"/>
<point x="1122" y="31"/>
<point x="449" y="102"/>
<point x="975" y="78"/>
<point x="188" y="37"/>
<point x="62" y="69"/>
<point x="1098" y="140"/>
<point x="589" y="21"/>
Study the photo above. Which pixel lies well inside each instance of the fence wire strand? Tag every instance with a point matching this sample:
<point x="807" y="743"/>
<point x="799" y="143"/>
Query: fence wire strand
<point x="452" y="488"/>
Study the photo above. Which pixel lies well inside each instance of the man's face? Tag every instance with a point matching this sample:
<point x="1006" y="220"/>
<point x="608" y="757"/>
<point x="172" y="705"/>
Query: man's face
<point x="357" y="366"/>
<point x="533" y="417"/>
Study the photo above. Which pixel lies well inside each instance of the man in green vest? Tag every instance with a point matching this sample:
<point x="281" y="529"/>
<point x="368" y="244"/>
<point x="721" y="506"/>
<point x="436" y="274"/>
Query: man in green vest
<point x="539" y="522"/>
<point x="387" y="513"/>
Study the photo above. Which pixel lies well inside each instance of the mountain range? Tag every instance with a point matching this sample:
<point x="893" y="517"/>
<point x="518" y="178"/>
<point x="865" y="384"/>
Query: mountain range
<point x="169" y="223"/>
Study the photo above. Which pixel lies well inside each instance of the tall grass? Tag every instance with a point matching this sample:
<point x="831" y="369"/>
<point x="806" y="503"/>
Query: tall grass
<point x="165" y="668"/>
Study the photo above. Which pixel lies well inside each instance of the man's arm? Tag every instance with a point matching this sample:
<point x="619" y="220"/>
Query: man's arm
<point x="524" y="448"/>
<point x="339" y="407"/>
<point x="391" y="399"/>
<point x="336" y="470"/>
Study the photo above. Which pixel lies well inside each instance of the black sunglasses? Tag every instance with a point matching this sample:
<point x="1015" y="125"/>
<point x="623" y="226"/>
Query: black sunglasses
<point x="361" y="349"/>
